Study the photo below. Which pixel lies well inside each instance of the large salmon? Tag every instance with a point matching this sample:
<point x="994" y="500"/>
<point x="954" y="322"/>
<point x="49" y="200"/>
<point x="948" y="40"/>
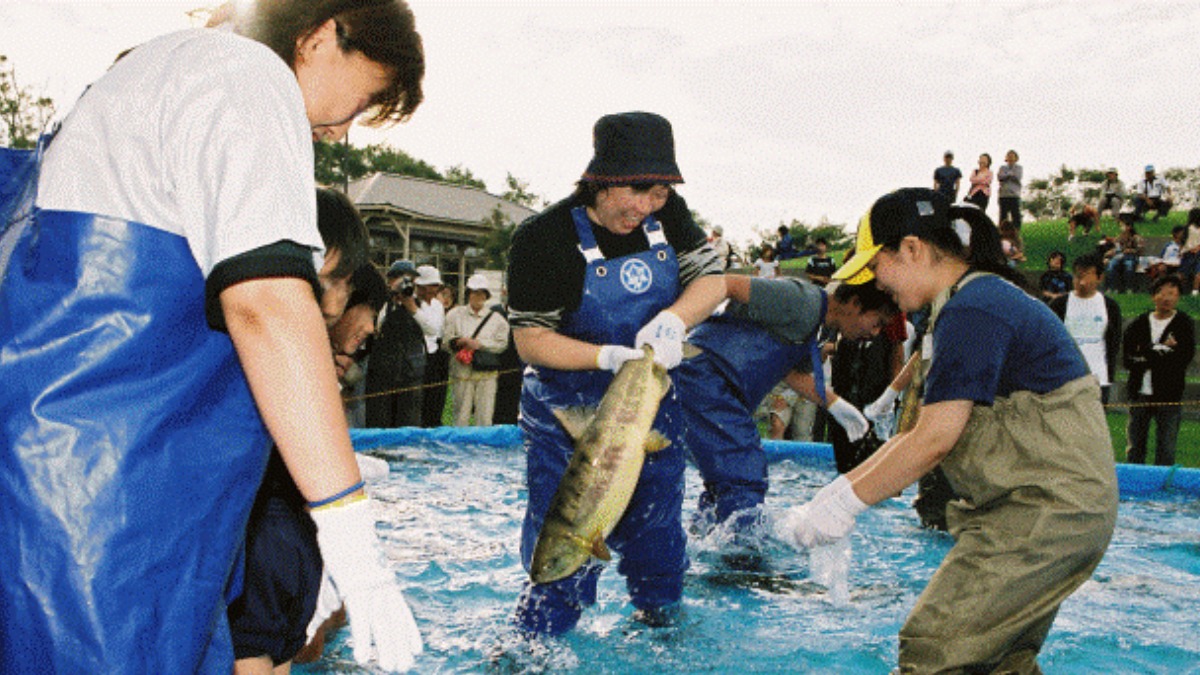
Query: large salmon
<point x="611" y="443"/>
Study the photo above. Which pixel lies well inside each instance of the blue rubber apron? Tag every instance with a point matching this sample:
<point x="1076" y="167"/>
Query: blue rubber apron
<point x="740" y="363"/>
<point x="130" y="449"/>
<point x="619" y="297"/>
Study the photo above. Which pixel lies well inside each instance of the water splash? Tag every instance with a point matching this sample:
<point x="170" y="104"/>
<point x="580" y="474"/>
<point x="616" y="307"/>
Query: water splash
<point x="830" y="567"/>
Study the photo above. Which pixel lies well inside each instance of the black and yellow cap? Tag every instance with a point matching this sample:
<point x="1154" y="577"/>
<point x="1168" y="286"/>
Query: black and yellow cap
<point x="894" y="216"/>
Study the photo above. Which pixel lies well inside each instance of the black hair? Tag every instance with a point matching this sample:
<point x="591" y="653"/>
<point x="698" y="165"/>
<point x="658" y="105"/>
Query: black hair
<point x="342" y="229"/>
<point x="1193" y="216"/>
<point x="1057" y="254"/>
<point x="384" y="31"/>
<point x="869" y="297"/>
<point x="1177" y="229"/>
<point x="587" y="190"/>
<point x="369" y="288"/>
<point x="983" y="251"/>
<point x="1088" y="261"/>
<point x="1167" y="280"/>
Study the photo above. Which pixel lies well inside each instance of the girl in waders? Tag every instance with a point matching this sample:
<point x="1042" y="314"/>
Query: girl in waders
<point x="1013" y="417"/>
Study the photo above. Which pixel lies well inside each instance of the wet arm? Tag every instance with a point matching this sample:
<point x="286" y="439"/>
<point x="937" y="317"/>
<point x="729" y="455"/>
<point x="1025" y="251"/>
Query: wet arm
<point x="280" y="338"/>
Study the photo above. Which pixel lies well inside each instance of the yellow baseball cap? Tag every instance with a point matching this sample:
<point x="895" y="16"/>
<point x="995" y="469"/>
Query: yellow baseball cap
<point x="894" y="216"/>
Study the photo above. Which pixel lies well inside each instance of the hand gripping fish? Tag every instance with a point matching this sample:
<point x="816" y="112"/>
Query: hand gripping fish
<point x="611" y="443"/>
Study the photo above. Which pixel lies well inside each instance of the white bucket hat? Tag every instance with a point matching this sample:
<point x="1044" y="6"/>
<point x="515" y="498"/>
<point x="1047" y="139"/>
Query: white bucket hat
<point x="428" y="275"/>
<point x="478" y="282"/>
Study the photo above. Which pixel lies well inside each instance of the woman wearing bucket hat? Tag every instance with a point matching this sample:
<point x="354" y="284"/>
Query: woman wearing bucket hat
<point x="473" y="329"/>
<point x="618" y="264"/>
<point x="1010" y="414"/>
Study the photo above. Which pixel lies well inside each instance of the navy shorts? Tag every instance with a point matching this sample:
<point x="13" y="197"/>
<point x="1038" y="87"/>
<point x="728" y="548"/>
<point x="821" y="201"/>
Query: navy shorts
<point x="282" y="580"/>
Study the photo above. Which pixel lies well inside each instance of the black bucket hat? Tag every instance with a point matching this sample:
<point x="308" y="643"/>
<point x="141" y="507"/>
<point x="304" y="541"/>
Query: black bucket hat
<point x="632" y="147"/>
<point x="894" y="216"/>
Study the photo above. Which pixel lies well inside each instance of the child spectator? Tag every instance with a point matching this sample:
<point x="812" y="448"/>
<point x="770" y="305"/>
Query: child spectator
<point x="1123" y="265"/>
<point x="1171" y="257"/>
<point x="1191" y="252"/>
<point x="1056" y="281"/>
<point x="1159" y="345"/>
<point x="766" y="266"/>
<point x="820" y="267"/>
<point x="1010" y="243"/>
<point x="1081" y="215"/>
<point x="1093" y="319"/>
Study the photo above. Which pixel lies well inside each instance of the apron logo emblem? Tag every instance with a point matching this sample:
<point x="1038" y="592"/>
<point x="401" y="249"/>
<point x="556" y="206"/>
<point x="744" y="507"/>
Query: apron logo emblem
<point x="636" y="276"/>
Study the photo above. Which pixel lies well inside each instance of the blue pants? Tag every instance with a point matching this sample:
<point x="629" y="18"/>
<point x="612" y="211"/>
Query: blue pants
<point x="722" y="438"/>
<point x="1121" y="272"/>
<point x="649" y="538"/>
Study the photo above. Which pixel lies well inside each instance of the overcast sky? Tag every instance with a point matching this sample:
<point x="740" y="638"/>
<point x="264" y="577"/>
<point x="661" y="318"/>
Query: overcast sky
<point x="781" y="110"/>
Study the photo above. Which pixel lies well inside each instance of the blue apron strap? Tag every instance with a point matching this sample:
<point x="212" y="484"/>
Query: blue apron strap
<point x="814" y="353"/>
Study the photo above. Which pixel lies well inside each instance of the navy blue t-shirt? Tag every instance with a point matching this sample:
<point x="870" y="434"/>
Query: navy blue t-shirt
<point x="991" y="339"/>
<point x="946" y="177"/>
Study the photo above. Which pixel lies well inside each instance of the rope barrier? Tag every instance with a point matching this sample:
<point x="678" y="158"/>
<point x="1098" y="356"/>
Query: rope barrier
<point x="426" y="385"/>
<point x="1153" y="404"/>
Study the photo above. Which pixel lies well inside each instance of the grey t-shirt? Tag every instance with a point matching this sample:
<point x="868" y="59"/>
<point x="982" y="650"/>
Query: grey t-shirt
<point x="789" y="308"/>
<point x="1010" y="180"/>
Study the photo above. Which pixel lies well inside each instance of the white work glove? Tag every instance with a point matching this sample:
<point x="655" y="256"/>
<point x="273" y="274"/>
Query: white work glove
<point x="378" y="614"/>
<point x="851" y="420"/>
<point x="882" y="407"/>
<point x="328" y="602"/>
<point x="612" y="357"/>
<point x="826" y="519"/>
<point x="665" y="334"/>
<point x="372" y="469"/>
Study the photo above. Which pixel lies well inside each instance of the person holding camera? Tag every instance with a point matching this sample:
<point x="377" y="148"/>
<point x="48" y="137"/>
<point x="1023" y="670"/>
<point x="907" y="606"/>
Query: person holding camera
<point x="431" y="315"/>
<point x="475" y="337"/>
<point x="396" y="367"/>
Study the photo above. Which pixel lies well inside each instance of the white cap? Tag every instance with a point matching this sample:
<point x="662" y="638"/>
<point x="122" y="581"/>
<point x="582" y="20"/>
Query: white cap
<point x="478" y="282"/>
<point x="428" y="275"/>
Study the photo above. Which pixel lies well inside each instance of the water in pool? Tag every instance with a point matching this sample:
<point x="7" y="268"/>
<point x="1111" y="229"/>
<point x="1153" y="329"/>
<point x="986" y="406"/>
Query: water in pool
<point x="452" y="527"/>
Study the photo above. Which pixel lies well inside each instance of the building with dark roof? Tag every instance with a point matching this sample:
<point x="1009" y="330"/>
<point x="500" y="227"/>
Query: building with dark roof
<point x="429" y="222"/>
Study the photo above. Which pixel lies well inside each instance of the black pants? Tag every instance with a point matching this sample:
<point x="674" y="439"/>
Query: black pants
<point x="393" y="400"/>
<point x="1010" y="207"/>
<point x="437" y="372"/>
<point x="978" y="199"/>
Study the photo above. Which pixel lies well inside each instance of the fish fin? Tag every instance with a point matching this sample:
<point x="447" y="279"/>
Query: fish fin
<point x="656" y="441"/>
<point x="691" y="351"/>
<point x="583" y="544"/>
<point x="575" y="419"/>
<point x="599" y="550"/>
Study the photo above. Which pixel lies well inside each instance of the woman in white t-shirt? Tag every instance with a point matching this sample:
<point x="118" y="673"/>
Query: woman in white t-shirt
<point x="158" y="309"/>
<point x="767" y="266"/>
